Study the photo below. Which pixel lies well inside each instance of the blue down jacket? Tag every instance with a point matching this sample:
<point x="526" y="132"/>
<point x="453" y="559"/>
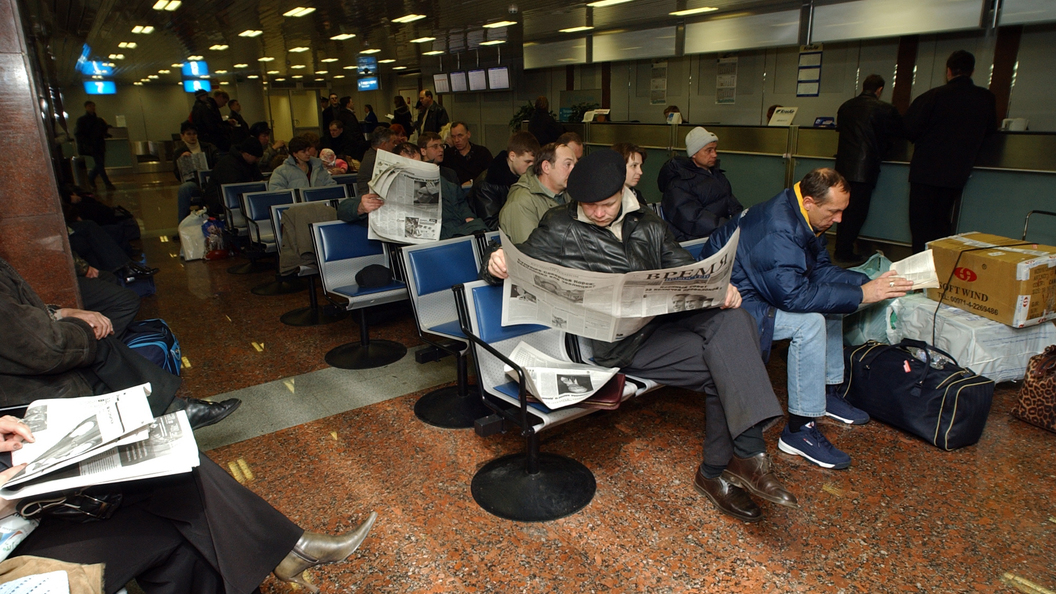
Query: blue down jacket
<point x="782" y="265"/>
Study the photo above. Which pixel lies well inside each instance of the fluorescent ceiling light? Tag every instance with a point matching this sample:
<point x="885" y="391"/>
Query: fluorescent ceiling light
<point x="253" y="77"/>
<point x="241" y="65"/>
<point x="166" y="71"/>
<point x="273" y="72"/>
<point x="116" y="56"/>
<point x="153" y="76"/>
<point x="180" y="65"/>
<point x="493" y="42"/>
<point x="251" y="33"/>
<point x="370" y="51"/>
<point x="499" y="24"/>
<point x="139" y="84"/>
<point x="194" y="58"/>
<point x="266" y="59"/>
<point x="604" y="3"/>
<point x="143" y="29"/>
<point x="399" y="68"/>
<point x="297" y="66"/>
<point x="320" y="79"/>
<point x="224" y="82"/>
<point x="219" y="47"/>
<point x="339" y="76"/>
<point x="167" y="5"/>
<point x="220" y="71"/>
<point x="173" y="5"/>
<point x="409" y="18"/>
<point x="350" y="67"/>
<point x="423" y="39"/>
<point x="322" y="71"/>
<point x="433" y="53"/>
<point x="279" y="79"/>
<point x="574" y="29"/>
<point x="690" y="11"/>
<point x="204" y="76"/>
<point x="298" y="76"/>
<point x="343" y="36"/>
<point x="127" y="44"/>
<point x="328" y="60"/>
<point x="97" y="77"/>
<point x="297" y="50"/>
<point x="386" y="61"/>
<point x="300" y="11"/>
<point x="111" y="64"/>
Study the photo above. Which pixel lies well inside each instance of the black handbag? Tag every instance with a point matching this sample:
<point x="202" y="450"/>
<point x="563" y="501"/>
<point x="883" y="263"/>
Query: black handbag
<point x="944" y="404"/>
<point x="89" y="504"/>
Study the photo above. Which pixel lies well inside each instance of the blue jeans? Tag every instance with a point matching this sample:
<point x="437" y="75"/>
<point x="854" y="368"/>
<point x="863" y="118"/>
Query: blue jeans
<point x="188" y="190"/>
<point x="817" y="340"/>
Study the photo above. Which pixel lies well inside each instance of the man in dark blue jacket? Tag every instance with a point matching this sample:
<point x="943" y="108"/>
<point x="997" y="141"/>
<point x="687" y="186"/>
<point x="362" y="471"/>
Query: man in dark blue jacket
<point x="793" y="290"/>
<point x="697" y="196"/>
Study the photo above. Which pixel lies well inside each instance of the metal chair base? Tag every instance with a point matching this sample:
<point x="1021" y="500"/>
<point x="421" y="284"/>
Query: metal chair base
<point x="252" y="268"/>
<point x="313" y="316"/>
<point x="376" y="353"/>
<point x="280" y="287"/>
<point x="447" y="409"/>
<point x="562" y="487"/>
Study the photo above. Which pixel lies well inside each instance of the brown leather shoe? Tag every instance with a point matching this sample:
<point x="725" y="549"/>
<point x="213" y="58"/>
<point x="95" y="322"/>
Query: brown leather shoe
<point x="729" y="498"/>
<point x="755" y="476"/>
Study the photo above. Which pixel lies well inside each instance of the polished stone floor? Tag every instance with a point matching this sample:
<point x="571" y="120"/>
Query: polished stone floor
<point x="326" y="446"/>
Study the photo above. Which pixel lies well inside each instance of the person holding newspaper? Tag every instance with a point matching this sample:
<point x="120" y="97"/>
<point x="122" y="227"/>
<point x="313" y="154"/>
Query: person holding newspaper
<point x="197" y="532"/>
<point x="715" y="351"/>
<point x="793" y="290"/>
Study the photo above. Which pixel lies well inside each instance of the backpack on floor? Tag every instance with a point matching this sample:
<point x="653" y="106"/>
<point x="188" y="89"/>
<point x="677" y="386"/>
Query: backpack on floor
<point x="154" y="340"/>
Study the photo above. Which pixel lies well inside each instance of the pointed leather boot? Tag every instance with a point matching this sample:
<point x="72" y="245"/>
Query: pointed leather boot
<point x="755" y="475"/>
<point x="314" y="549"/>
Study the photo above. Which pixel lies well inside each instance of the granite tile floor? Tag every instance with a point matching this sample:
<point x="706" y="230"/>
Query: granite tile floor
<point x="326" y="446"/>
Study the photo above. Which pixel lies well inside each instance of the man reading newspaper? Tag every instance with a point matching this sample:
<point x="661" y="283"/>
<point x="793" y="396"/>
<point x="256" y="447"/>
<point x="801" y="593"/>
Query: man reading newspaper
<point x="713" y="351"/>
<point x="412" y="211"/>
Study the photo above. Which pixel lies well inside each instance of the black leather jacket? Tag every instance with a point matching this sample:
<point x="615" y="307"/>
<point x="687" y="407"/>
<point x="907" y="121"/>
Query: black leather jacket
<point x="867" y="126"/>
<point x="489" y="191"/>
<point x="648" y="244"/>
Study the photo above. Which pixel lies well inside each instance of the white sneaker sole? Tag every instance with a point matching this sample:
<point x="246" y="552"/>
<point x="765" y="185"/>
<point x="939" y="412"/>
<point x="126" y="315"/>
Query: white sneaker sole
<point x="784" y="447"/>
<point x="843" y="420"/>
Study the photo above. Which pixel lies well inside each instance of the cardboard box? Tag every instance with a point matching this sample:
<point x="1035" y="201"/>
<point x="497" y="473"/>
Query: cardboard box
<point x="1014" y="284"/>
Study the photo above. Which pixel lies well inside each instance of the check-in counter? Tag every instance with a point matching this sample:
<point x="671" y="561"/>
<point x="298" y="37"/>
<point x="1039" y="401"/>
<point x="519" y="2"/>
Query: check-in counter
<point x="1015" y="173"/>
<point x="119" y="155"/>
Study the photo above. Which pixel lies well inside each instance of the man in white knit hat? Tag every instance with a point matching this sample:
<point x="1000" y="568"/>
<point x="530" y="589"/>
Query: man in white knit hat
<point x="697" y="196"/>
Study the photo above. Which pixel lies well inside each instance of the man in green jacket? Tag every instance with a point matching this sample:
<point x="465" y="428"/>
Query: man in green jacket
<point x="541" y="188"/>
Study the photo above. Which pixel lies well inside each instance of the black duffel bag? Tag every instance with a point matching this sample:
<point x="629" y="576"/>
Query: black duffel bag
<point x="947" y="407"/>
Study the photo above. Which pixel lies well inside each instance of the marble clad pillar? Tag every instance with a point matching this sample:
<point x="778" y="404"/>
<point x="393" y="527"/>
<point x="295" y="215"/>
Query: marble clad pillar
<point x="32" y="231"/>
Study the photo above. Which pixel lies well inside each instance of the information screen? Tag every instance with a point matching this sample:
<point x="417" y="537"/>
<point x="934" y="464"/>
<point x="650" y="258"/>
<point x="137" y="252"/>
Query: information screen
<point x="100" y="87"/>
<point x="368" y="83"/>
<point x="478" y="80"/>
<point x="367" y="65"/>
<point x="191" y="86"/>
<point x="195" y="68"/>
<point x="458" y="82"/>
<point x="441" y="84"/>
<point x="499" y="78"/>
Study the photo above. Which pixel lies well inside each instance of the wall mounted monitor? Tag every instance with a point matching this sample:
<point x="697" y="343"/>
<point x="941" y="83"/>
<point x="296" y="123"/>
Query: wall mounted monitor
<point x="191" y="86"/>
<point x="93" y="68"/>
<point x="441" y="84"/>
<point x="100" y="87"/>
<point x="368" y="83"/>
<point x="458" y="82"/>
<point x="499" y="78"/>
<point x="478" y="80"/>
<point x="195" y="69"/>
<point x="367" y="65"/>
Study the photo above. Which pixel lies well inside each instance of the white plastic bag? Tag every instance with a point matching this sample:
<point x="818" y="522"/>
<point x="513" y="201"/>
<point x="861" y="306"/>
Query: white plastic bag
<point x="871" y="322"/>
<point x="192" y="240"/>
<point x="13" y="530"/>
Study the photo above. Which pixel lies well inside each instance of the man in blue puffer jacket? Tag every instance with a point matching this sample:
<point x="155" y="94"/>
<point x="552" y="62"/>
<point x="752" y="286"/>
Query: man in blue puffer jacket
<point x="793" y="290"/>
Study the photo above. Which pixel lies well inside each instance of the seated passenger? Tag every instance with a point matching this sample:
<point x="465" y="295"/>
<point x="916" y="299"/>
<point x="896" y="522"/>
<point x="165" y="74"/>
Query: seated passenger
<point x="400" y="132"/>
<point x="793" y="290"/>
<point x="340" y="140"/>
<point x="432" y="148"/>
<point x="118" y="223"/>
<point x="490" y="189"/>
<point x="188" y="145"/>
<point x="301" y="169"/>
<point x="541" y="188"/>
<point x="634" y="156"/>
<point x="59" y="352"/>
<point x="95" y="245"/>
<point x="572" y="141"/>
<point x="100" y="291"/>
<point x="468" y="160"/>
<point x="195" y="533"/>
<point x="334" y="166"/>
<point x="238" y="166"/>
<point x="383" y="139"/>
<point x="697" y="196"/>
<point x="713" y="351"/>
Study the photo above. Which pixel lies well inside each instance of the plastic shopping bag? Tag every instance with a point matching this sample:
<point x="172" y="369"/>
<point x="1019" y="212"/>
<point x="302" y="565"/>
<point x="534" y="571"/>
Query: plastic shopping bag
<point x="192" y="240"/>
<point x="871" y="322"/>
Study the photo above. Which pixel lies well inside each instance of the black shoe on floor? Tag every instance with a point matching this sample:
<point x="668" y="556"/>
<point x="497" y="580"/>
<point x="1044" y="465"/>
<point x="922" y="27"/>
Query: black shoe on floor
<point x="138" y="270"/>
<point x="202" y="413"/>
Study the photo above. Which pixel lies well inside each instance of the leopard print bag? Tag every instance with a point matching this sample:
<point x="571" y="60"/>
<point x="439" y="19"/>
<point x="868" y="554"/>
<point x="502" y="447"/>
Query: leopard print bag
<point x="1037" y="397"/>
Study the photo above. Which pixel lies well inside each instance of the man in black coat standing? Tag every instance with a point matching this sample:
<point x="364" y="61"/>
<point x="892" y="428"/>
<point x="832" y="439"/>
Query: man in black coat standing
<point x="91" y="134"/>
<point x="867" y="126"/>
<point x="947" y="126"/>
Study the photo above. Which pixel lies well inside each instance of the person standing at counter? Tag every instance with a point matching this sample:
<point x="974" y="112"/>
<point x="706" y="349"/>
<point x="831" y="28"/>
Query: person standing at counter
<point x="91" y="134"/>
<point x="697" y="196"/>
<point x="947" y="126"/>
<point x="867" y="126"/>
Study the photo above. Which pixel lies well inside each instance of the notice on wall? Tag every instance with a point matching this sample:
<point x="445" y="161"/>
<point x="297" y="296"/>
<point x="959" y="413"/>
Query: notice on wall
<point x="658" y="83"/>
<point x="726" y="81"/>
<point x="809" y="79"/>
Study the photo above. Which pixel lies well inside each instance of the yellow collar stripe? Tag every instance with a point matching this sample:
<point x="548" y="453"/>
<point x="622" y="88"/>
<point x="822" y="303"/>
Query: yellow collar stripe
<point x="802" y="209"/>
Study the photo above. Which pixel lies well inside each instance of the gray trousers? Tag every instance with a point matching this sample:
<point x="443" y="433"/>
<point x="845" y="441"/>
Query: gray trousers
<point x="715" y="352"/>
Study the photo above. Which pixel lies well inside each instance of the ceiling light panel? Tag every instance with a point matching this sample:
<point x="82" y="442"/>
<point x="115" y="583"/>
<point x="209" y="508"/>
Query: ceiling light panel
<point x="219" y="47"/>
<point x="343" y="36"/>
<point x="220" y="71"/>
<point x="386" y="61"/>
<point x="574" y="29"/>
<point x="499" y="24"/>
<point x="297" y="66"/>
<point x="143" y="29"/>
<point x="692" y="11"/>
<point x="195" y="58"/>
<point x="297" y="50"/>
<point x="300" y="11"/>
<point x="328" y="60"/>
<point x="273" y="72"/>
<point x="604" y="3"/>
<point x="127" y="44"/>
<point x="433" y="53"/>
<point x="266" y="59"/>
<point x="251" y="33"/>
<point x="370" y="51"/>
<point x="423" y="39"/>
<point x="241" y="65"/>
<point x="493" y="42"/>
<point x="409" y="18"/>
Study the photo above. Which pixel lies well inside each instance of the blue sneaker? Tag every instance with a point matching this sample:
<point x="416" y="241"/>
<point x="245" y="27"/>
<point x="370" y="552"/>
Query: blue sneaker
<point x="838" y="408"/>
<point x="812" y="445"/>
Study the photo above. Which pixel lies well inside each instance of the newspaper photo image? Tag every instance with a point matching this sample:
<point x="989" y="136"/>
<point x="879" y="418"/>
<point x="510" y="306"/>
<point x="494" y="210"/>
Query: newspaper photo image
<point x="412" y="212"/>
<point x="605" y="306"/>
<point x="190" y="164"/>
<point x="554" y="382"/>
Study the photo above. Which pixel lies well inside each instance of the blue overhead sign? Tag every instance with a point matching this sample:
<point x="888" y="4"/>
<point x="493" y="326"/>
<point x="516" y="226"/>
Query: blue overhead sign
<point x="195" y="69"/>
<point x="100" y="87"/>
<point x="193" y="85"/>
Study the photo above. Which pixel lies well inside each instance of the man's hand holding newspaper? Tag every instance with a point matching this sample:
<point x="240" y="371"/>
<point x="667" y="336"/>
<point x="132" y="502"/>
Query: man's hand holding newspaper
<point x="410" y="191"/>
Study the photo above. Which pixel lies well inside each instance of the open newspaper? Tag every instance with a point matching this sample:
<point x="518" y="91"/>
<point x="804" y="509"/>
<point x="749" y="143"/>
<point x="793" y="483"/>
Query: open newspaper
<point x="412" y="212"/>
<point x="608" y="307"/>
<point x="554" y="382"/>
<point x="919" y="268"/>
<point x="99" y="439"/>
<point x="191" y="164"/>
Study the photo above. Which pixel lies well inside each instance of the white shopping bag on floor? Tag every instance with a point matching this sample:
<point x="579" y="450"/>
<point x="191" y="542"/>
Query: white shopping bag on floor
<point x="192" y="240"/>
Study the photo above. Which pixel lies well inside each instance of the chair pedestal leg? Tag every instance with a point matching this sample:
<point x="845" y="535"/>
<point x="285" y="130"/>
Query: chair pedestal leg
<point x="280" y="286"/>
<point x="453" y="407"/>
<point x="559" y="487"/>
<point x="313" y="315"/>
<point x="368" y="354"/>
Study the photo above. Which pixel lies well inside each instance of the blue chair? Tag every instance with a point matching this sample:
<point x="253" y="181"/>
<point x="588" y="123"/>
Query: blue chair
<point x="231" y="199"/>
<point x="348" y="180"/>
<point x="430" y="270"/>
<point x="321" y="193"/>
<point x="313" y="315"/>
<point x="257" y="209"/>
<point x="342" y="250"/>
<point x="695" y="246"/>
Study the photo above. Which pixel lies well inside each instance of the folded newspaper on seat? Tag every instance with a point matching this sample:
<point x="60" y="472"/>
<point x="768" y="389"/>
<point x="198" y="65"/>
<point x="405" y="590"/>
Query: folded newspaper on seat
<point x="608" y="307"/>
<point x="99" y="439"/>
<point x="557" y="383"/>
<point x="919" y="268"/>
<point x="412" y="212"/>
